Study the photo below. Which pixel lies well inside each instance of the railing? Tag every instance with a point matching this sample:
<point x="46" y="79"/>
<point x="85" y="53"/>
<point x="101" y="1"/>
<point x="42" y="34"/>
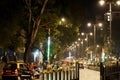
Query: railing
<point x="110" y="72"/>
<point x="71" y="74"/>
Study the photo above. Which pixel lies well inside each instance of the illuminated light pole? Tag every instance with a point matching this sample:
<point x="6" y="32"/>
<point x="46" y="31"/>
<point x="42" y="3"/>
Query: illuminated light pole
<point x="82" y="46"/>
<point x="84" y="38"/>
<point x="102" y="2"/>
<point x="81" y="43"/>
<point x="118" y="3"/>
<point x="48" y="45"/>
<point x="62" y="21"/>
<point x="87" y="35"/>
<point x="48" y="48"/>
<point x="94" y="26"/>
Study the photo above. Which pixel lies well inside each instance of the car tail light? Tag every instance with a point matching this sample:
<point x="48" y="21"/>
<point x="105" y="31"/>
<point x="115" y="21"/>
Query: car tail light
<point x="16" y="71"/>
<point x="2" y="72"/>
<point x="6" y="72"/>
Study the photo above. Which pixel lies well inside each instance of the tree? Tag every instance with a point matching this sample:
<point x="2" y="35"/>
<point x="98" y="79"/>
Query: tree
<point x="33" y="24"/>
<point x="30" y="25"/>
<point x="43" y="21"/>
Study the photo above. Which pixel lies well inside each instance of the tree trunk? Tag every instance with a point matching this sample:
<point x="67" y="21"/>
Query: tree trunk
<point x="33" y="34"/>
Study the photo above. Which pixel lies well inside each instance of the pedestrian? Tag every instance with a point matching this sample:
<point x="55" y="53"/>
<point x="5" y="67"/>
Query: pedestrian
<point x="31" y="67"/>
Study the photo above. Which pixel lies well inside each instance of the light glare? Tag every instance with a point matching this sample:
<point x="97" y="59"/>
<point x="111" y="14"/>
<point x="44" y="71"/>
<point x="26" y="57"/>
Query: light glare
<point x="63" y="19"/>
<point x="118" y="2"/>
<point x="91" y="33"/>
<point x="82" y="34"/>
<point x="100" y="24"/>
<point x="101" y="2"/>
<point x="89" y="24"/>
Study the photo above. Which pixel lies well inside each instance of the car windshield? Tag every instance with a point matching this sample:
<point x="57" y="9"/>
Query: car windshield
<point x="10" y="66"/>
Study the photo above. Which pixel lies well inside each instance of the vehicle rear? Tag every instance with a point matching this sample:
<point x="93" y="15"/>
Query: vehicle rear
<point x="25" y="72"/>
<point x="16" y="71"/>
<point x="10" y="72"/>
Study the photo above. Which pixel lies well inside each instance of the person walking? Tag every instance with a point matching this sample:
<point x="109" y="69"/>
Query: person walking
<point x="31" y="66"/>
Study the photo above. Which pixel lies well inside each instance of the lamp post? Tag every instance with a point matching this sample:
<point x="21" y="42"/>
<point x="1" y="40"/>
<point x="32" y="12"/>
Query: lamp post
<point x="102" y="2"/>
<point x="110" y="10"/>
<point x="81" y="41"/>
<point x="86" y="37"/>
<point x="94" y="26"/>
<point x="62" y="21"/>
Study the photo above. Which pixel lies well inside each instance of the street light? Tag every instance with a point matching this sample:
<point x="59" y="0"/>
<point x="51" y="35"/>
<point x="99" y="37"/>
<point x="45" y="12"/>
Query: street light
<point x="102" y="2"/>
<point x="118" y="3"/>
<point x="86" y="36"/>
<point x="62" y="21"/>
<point x="94" y="26"/>
<point x="81" y="41"/>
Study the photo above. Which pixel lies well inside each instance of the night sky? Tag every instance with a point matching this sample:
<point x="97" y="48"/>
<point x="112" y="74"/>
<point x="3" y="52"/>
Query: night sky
<point x="90" y="10"/>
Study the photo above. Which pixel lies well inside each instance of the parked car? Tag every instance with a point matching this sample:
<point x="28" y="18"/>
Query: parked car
<point x="17" y="71"/>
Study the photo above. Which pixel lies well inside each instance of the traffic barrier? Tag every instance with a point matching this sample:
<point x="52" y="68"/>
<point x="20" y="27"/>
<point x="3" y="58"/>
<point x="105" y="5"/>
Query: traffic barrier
<point x="71" y="74"/>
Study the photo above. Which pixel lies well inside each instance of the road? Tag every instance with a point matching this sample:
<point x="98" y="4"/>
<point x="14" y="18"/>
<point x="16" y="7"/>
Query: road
<point x="87" y="74"/>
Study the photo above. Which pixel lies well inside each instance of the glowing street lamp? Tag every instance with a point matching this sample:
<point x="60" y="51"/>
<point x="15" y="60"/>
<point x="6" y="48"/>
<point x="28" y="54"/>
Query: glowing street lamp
<point x="63" y="19"/>
<point x="78" y="39"/>
<point x="118" y="3"/>
<point x="98" y="46"/>
<point x="85" y="38"/>
<point x="82" y="34"/>
<point x="48" y="48"/>
<point x="94" y="26"/>
<point x="89" y="24"/>
<point x="86" y="35"/>
<point x="102" y="2"/>
<point x="109" y="17"/>
<point x="91" y="33"/>
<point x="48" y="45"/>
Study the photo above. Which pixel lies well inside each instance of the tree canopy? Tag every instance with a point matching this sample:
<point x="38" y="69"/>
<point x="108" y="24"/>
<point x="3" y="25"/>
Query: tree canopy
<point x="26" y="23"/>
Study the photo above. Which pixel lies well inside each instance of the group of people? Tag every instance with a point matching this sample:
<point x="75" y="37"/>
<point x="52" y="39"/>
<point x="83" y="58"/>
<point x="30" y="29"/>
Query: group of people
<point x="36" y="66"/>
<point x="43" y="67"/>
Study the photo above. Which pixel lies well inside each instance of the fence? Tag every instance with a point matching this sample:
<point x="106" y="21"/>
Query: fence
<point x="72" y="74"/>
<point x="110" y="72"/>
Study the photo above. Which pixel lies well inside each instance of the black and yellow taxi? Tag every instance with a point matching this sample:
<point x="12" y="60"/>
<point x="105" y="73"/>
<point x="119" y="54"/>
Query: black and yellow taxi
<point x="17" y="71"/>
